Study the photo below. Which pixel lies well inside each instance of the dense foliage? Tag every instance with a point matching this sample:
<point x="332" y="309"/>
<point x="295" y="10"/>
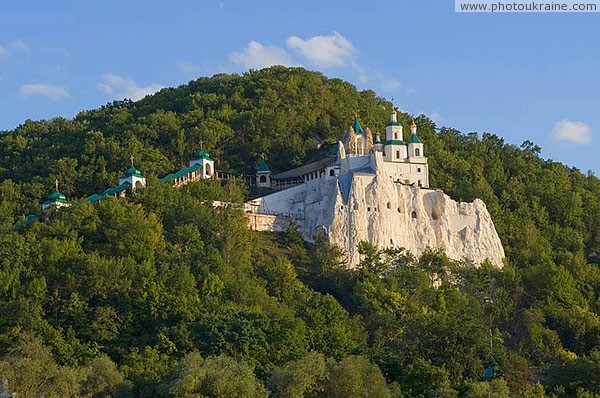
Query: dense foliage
<point x="163" y="294"/>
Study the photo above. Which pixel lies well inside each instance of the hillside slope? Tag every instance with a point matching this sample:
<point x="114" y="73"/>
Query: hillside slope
<point x="149" y="280"/>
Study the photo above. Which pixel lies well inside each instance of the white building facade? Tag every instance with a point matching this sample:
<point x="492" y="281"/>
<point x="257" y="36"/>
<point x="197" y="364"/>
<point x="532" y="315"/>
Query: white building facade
<point x="404" y="161"/>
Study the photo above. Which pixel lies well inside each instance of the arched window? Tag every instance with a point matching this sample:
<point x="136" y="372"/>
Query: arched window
<point x="413" y="214"/>
<point x="263" y="179"/>
<point x="417" y="152"/>
<point x="208" y="169"/>
<point x="332" y="172"/>
<point x="395" y="136"/>
<point x="397" y="154"/>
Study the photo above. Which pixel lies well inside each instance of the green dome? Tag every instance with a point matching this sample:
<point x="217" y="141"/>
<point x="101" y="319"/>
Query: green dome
<point x="55" y="196"/>
<point x="414" y="139"/>
<point x="132" y="172"/>
<point x="201" y="155"/>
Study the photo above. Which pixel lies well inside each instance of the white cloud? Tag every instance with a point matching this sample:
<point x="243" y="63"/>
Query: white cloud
<point x="124" y="87"/>
<point x="3" y="51"/>
<point x="389" y="84"/>
<point x="257" y="56"/>
<point x="55" y="93"/>
<point x="19" y="45"/>
<point x="576" y="132"/>
<point x="324" y="51"/>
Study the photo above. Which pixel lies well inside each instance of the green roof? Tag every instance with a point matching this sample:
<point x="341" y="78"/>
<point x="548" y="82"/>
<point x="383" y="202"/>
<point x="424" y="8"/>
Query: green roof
<point x="55" y="197"/>
<point x="31" y="218"/>
<point x="333" y="149"/>
<point x="357" y="127"/>
<point x="180" y="173"/>
<point x="390" y="123"/>
<point x="132" y="172"/>
<point x="109" y="192"/>
<point x="201" y="155"/>
<point x="395" y="142"/>
<point x="414" y="139"/>
<point x="263" y="167"/>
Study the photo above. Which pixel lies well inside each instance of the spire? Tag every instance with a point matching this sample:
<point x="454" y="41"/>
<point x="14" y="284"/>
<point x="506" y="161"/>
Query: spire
<point x="413" y="128"/>
<point x="263" y="167"/>
<point x="393" y="119"/>
<point x="414" y="138"/>
<point x="377" y="139"/>
<point x="55" y="199"/>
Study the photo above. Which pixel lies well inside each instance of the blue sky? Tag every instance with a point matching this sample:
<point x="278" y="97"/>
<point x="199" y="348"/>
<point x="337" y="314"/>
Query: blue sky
<point x="522" y="76"/>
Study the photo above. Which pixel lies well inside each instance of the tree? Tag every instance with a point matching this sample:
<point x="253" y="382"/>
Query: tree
<point x="220" y="376"/>
<point x="300" y="378"/>
<point x="355" y="376"/>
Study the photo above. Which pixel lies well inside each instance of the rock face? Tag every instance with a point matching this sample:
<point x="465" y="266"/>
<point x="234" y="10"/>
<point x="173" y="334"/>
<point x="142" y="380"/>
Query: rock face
<point x="366" y="205"/>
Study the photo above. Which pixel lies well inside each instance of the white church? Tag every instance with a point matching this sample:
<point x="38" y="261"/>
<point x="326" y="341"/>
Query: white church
<point x="403" y="161"/>
<point x="377" y="192"/>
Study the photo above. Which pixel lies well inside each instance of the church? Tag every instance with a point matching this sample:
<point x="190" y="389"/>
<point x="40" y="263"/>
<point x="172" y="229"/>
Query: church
<point x="375" y="191"/>
<point x="403" y="161"/>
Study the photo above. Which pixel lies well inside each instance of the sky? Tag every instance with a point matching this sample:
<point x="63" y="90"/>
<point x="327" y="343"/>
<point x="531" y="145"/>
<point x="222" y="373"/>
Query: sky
<point x="521" y="76"/>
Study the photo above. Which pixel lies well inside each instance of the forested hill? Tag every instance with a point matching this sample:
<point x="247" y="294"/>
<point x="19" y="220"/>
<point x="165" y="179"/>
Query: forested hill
<point x="162" y="295"/>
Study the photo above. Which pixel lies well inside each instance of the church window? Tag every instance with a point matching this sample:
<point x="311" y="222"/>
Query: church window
<point x="417" y="152"/>
<point x="395" y="136"/>
<point x="389" y="205"/>
<point x="368" y="208"/>
<point x="263" y="179"/>
<point x="397" y="154"/>
<point x="413" y="214"/>
<point x="391" y="241"/>
<point x="419" y="182"/>
<point x="332" y="172"/>
<point x="418" y="169"/>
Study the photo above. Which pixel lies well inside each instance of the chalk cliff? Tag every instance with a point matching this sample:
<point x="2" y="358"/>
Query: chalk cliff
<point x="366" y="204"/>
